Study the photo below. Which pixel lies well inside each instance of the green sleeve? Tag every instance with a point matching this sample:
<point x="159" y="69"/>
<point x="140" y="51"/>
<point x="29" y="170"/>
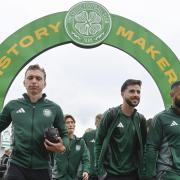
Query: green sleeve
<point x="100" y="136"/>
<point x="85" y="157"/>
<point x="5" y="118"/>
<point x="60" y="124"/>
<point x="143" y="126"/>
<point x="153" y="144"/>
<point x="84" y="137"/>
<point x="143" y="129"/>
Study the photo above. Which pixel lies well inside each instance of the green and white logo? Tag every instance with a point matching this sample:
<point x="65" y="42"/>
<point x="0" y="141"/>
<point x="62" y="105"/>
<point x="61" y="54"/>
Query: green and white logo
<point x="88" y="23"/>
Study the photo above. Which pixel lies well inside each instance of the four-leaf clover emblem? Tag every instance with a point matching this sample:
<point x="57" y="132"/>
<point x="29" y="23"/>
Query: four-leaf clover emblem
<point x="88" y="23"/>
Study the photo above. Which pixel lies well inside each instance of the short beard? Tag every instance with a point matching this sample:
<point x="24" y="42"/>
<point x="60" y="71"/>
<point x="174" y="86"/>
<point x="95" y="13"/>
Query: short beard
<point x="177" y="102"/>
<point x="130" y="103"/>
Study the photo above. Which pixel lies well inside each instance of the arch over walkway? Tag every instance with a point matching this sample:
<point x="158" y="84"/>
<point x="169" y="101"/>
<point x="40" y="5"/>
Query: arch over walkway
<point x="49" y="31"/>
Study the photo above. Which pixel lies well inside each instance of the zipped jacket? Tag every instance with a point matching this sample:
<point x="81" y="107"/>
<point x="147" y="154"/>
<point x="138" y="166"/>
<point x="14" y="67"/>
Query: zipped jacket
<point x="66" y="164"/>
<point x="105" y="131"/>
<point x="162" y="153"/>
<point x="29" y="120"/>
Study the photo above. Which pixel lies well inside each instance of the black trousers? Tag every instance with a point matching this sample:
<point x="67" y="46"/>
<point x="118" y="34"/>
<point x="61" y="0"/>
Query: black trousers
<point x="93" y="178"/>
<point x="16" y="172"/>
<point x="129" y="176"/>
<point x="90" y="178"/>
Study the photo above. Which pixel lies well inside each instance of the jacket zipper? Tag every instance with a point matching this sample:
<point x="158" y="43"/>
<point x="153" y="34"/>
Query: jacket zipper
<point x="32" y="128"/>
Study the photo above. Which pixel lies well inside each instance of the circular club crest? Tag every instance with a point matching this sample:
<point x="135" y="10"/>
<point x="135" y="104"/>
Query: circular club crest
<point x="88" y="23"/>
<point x="47" y="112"/>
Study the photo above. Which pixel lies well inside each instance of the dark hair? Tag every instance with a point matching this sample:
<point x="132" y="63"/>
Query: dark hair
<point x="36" y="67"/>
<point x="69" y="116"/>
<point x="130" y="82"/>
<point x="175" y="84"/>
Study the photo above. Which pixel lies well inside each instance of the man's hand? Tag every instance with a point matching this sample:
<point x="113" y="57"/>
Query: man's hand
<point x="85" y="176"/>
<point x="55" y="147"/>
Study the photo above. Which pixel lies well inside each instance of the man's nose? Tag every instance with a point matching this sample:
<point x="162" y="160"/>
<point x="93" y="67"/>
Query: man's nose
<point x="34" y="79"/>
<point x="137" y="94"/>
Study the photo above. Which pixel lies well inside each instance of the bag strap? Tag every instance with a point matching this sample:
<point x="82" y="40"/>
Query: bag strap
<point x="112" y="115"/>
<point x="112" y="112"/>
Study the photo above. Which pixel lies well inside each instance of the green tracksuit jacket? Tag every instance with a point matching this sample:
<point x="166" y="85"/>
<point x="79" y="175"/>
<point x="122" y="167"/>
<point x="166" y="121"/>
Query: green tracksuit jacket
<point x="28" y="123"/>
<point x="66" y="164"/>
<point x="103" y="137"/>
<point x="89" y="138"/>
<point x="162" y="156"/>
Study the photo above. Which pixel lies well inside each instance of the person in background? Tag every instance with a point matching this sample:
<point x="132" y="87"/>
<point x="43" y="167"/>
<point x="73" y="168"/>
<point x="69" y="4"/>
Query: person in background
<point x="4" y="161"/>
<point x="121" y="136"/>
<point x="66" y="164"/>
<point x="30" y="116"/>
<point x="5" y="156"/>
<point x="162" y="155"/>
<point x="88" y="130"/>
<point x="89" y="138"/>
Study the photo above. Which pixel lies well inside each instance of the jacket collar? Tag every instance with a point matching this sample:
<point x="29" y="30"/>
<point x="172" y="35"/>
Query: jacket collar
<point x="132" y="115"/>
<point x="26" y="97"/>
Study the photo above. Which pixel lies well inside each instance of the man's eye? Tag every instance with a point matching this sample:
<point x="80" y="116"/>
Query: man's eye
<point x="29" y="77"/>
<point x="131" y="91"/>
<point x="38" y="78"/>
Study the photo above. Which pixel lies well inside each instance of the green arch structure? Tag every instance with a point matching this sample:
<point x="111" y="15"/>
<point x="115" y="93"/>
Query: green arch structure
<point x="47" y="32"/>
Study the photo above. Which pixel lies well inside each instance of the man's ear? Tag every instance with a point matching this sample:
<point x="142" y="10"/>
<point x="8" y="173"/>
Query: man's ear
<point x="122" y="93"/>
<point x="171" y="93"/>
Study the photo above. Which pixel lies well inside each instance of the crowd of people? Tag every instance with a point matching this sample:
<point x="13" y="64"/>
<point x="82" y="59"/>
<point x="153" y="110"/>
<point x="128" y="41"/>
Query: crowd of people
<point x="124" y="145"/>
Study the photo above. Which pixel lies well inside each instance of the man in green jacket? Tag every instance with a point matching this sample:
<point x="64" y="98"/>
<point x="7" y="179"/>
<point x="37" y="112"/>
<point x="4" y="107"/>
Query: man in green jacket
<point x="30" y="116"/>
<point x="162" y="156"/>
<point x="89" y="138"/>
<point x="66" y="164"/>
<point x="121" y="136"/>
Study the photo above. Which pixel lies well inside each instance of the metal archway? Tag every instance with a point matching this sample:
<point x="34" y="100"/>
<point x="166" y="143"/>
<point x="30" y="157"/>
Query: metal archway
<point x="49" y="31"/>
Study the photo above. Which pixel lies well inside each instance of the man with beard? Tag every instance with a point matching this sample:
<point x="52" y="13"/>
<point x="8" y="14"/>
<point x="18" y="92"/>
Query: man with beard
<point x="121" y="136"/>
<point x="162" y="158"/>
